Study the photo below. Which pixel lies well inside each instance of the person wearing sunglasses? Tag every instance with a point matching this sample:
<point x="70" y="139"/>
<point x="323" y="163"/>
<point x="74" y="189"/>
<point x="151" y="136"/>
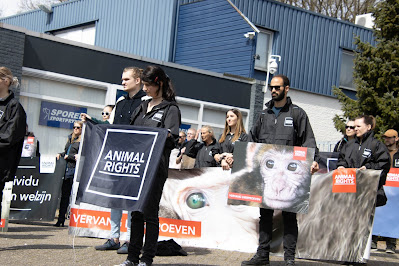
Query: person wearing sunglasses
<point x="106" y="114"/>
<point x="281" y="123"/>
<point x="69" y="154"/>
<point x="349" y="134"/>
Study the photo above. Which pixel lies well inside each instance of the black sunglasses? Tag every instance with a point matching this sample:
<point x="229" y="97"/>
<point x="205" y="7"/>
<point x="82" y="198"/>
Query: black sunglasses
<point x="351" y="127"/>
<point x="105" y="113"/>
<point x="277" y="88"/>
<point x="76" y="127"/>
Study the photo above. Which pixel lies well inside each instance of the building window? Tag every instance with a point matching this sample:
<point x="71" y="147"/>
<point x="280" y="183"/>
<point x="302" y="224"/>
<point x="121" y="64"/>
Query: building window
<point x="263" y="49"/>
<point x="346" y="75"/>
<point x="84" y="34"/>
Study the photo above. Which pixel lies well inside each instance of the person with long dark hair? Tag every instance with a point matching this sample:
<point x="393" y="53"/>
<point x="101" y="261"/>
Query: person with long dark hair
<point x="12" y="128"/>
<point x="160" y="111"/>
<point x="233" y="131"/>
<point x="69" y="154"/>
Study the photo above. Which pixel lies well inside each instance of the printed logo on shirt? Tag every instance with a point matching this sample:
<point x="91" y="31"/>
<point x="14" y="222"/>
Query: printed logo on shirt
<point x="1" y="114"/>
<point x="158" y="116"/>
<point x="289" y="122"/>
<point x="366" y="153"/>
<point x="396" y="163"/>
<point x="210" y="153"/>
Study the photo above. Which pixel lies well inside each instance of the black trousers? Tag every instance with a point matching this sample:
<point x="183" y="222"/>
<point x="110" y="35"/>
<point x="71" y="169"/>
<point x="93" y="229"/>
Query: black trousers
<point x="151" y="220"/>
<point x="2" y="184"/>
<point x="65" y="195"/>
<point x="266" y="229"/>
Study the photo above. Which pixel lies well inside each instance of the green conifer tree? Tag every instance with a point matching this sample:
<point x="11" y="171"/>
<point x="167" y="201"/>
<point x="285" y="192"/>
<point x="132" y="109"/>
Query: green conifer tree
<point x="376" y="73"/>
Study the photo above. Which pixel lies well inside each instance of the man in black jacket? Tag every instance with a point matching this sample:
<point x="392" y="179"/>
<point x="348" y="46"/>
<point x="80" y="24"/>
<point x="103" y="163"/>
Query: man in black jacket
<point x="281" y="123"/>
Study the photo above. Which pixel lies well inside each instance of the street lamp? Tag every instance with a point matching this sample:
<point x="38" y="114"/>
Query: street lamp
<point x="272" y="67"/>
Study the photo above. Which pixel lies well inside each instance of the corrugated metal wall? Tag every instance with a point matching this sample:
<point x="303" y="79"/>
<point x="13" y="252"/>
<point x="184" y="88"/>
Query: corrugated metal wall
<point x="310" y="44"/>
<point x="140" y="27"/>
<point x="210" y="35"/>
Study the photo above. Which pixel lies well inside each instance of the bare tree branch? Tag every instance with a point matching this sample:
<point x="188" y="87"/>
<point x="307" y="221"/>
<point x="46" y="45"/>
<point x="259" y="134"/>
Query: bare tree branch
<point x="27" y="5"/>
<point x="341" y="9"/>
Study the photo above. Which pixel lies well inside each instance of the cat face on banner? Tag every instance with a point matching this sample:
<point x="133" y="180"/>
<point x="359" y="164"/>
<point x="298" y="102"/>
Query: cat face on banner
<point x="285" y="180"/>
<point x="201" y="195"/>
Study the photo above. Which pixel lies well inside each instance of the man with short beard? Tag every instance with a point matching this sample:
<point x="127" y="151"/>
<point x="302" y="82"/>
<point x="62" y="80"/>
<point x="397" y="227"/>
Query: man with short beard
<point x="281" y="123"/>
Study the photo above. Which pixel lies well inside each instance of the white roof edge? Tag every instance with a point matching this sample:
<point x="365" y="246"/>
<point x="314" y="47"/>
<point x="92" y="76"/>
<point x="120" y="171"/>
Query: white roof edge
<point x="244" y="17"/>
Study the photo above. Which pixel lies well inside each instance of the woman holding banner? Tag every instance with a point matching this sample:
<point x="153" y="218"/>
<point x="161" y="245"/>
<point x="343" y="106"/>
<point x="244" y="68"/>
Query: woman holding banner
<point x="71" y="149"/>
<point x="160" y="111"/>
<point x="233" y="131"/>
<point x="12" y="129"/>
<point x="364" y="151"/>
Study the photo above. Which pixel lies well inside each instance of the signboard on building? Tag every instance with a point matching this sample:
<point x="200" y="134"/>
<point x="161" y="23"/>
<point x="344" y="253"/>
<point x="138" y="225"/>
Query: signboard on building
<point x="59" y="115"/>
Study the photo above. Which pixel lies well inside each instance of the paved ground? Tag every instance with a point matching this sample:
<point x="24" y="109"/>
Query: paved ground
<point x="39" y="243"/>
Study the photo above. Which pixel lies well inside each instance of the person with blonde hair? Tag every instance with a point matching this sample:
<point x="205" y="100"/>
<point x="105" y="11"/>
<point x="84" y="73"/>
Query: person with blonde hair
<point x="69" y="154"/>
<point x="233" y="131"/>
<point x="12" y="128"/>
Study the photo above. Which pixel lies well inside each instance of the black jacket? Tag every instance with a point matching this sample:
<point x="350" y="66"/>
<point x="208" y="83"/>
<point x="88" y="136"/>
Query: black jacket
<point x="340" y="144"/>
<point x="227" y="145"/>
<point x="12" y="132"/>
<point x="205" y="155"/>
<point x="125" y="108"/>
<point x="291" y="127"/>
<point x="164" y="115"/>
<point x="368" y="152"/>
<point x="71" y="163"/>
<point x="395" y="161"/>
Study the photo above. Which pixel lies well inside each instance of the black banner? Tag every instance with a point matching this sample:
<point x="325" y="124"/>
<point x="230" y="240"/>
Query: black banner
<point x="118" y="164"/>
<point x="35" y="196"/>
<point x="328" y="161"/>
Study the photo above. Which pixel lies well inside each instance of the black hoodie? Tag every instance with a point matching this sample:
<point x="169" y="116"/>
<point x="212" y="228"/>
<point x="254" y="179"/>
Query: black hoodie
<point x="12" y="132"/>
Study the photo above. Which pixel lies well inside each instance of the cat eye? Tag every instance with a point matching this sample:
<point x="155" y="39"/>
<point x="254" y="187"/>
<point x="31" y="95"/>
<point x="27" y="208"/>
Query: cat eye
<point x="196" y="200"/>
<point x="292" y="166"/>
<point x="269" y="163"/>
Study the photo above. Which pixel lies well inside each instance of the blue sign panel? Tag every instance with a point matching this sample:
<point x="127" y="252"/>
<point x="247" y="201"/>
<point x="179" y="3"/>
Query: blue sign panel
<point x="59" y="115"/>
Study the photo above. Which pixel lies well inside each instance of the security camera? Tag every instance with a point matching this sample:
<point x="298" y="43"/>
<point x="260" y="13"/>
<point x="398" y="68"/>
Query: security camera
<point x="249" y="35"/>
<point x="273" y="66"/>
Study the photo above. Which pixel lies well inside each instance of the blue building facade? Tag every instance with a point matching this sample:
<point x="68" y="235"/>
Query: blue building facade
<point x="139" y="27"/>
<point x="310" y="45"/>
<point x="209" y="35"/>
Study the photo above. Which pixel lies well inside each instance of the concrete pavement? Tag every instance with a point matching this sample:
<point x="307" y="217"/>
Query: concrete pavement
<point x="39" y="243"/>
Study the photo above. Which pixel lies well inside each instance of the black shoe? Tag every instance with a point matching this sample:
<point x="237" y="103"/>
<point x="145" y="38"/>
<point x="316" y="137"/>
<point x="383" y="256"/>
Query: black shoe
<point x="109" y="245"/>
<point x="257" y="260"/>
<point x="143" y="263"/>
<point x="127" y="263"/>
<point x="390" y="250"/>
<point x="59" y="224"/>
<point x="290" y="262"/>
<point x="123" y="249"/>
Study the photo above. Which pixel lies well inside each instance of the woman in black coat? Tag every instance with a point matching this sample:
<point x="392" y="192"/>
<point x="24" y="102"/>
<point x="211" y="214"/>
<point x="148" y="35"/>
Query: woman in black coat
<point x="70" y="155"/>
<point x="160" y="111"/>
<point x="12" y="129"/>
<point x="364" y="151"/>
